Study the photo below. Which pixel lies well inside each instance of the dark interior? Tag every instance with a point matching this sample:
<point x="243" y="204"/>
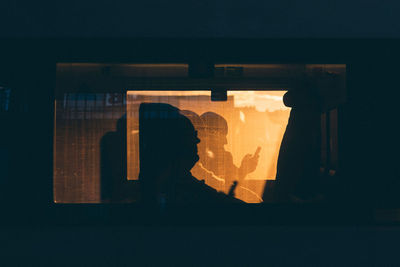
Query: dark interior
<point x="367" y="128"/>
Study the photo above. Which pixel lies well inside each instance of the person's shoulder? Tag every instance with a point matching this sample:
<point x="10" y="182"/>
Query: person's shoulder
<point x="201" y="184"/>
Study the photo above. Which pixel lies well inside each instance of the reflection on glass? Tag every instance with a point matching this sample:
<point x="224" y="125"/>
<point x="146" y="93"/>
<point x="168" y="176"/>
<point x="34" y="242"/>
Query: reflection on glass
<point x="97" y="142"/>
<point x="84" y="123"/>
<point x="240" y="138"/>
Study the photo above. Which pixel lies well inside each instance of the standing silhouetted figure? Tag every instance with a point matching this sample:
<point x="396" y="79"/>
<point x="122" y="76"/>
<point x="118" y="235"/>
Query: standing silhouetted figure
<point x="297" y="177"/>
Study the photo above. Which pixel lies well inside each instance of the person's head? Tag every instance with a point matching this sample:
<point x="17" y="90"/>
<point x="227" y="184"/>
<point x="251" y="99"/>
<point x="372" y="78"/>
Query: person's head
<point x="199" y="127"/>
<point x="304" y="95"/>
<point x="216" y="128"/>
<point x="168" y="140"/>
<point x="187" y="143"/>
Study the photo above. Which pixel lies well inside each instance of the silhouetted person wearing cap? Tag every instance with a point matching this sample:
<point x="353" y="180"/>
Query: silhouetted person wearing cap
<point x="217" y="159"/>
<point x="199" y="170"/>
<point x="168" y="151"/>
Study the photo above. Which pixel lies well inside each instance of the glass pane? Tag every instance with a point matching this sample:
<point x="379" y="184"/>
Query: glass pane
<point x="251" y="147"/>
<point x="82" y="120"/>
<point x="234" y="146"/>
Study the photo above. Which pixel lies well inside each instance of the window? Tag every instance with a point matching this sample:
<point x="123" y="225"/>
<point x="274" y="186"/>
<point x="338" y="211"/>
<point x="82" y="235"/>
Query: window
<point x="98" y="146"/>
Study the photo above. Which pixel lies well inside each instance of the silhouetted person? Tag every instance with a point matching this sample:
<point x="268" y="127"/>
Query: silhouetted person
<point x="168" y="151"/>
<point x="215" y="158"/>
<point x="199" y="170"/>
<point x="114" y="184"/>
<point x="297" y="177"/>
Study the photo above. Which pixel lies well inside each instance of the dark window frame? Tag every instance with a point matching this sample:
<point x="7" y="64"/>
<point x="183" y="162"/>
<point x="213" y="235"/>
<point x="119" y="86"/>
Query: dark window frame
<point x="37" y="206"/>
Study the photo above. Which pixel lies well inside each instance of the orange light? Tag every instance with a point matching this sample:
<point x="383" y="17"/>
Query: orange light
<point x="256" y="121"/>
